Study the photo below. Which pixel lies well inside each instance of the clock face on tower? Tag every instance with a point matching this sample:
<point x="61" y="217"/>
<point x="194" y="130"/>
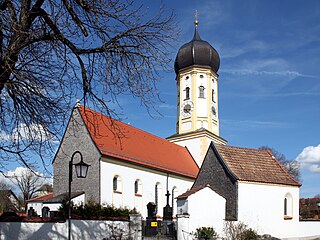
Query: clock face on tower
<point x="187" y="108"/>
<point x="214" y="111"/>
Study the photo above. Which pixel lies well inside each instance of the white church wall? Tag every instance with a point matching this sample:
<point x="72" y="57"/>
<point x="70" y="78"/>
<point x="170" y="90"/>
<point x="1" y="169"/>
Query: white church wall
<point x="37" y="206"/>
<point x="148" y="179"/>
<point x="205" y="208"/>
<point x="261" y="207"/>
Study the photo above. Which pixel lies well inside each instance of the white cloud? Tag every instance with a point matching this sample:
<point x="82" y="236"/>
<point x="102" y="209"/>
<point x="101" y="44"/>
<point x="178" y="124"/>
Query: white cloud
<point x="24" y="132"/>
<point x="167" y="106"/>
<point x="310" y="158"/>
<point x="285" y="73"/>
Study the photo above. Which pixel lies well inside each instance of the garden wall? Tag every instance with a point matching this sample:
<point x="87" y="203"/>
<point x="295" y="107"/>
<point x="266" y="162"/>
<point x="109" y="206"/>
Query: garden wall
<point x="80" y="229"/>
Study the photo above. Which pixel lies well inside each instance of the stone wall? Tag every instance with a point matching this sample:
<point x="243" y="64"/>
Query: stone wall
<point x="80" y="229"/>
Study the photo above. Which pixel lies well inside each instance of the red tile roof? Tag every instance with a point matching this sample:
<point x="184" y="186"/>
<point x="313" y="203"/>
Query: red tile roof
<point x="122" y="141"/>
<point x="255" y="165"/>
<point x="41" y="198"/>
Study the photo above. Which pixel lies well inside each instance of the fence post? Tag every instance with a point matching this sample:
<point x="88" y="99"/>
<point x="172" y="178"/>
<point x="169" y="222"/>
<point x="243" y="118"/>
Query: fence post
<point x="183" y="227"/>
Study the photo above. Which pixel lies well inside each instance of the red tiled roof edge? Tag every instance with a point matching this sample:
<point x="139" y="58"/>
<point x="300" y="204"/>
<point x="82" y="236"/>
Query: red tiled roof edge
<point x="140" y="162"/>
<point x="41" y="198"/>
<point x="281" y="166"/>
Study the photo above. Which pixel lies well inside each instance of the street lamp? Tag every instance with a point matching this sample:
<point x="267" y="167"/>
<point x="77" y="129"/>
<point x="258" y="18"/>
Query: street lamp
<point x="81" y="170"/>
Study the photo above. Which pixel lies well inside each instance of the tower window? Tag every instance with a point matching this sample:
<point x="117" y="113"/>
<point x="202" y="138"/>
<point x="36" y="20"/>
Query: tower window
<point x="201" y="92"/>
<point x="187" y="93"/>
<point x="212" y="95"/>
<point x="201" y="76"/>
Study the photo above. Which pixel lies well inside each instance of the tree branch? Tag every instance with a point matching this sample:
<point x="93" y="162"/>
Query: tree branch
<point x="75" y="17"/>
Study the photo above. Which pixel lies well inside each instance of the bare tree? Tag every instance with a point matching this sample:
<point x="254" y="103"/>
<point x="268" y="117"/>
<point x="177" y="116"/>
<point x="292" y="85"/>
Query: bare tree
<point x="54" y="51"/>
<point x="292" y="166"/>
<point x="28" y="182"/>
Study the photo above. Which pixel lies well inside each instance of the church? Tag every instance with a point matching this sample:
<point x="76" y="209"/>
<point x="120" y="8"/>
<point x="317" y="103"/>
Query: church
<point x="209" y="182"/>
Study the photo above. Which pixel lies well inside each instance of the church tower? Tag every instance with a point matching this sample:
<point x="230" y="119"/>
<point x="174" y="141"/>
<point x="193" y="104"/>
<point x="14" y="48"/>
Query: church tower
<point x="196" y="66"/>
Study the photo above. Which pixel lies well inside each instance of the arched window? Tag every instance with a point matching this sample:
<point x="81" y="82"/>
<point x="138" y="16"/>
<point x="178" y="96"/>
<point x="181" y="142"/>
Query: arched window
<point x="287" y="206"/>
<point x="201" y="92"/>
<point x="117" y="185"/>
<point x="187" y="93"/>
<point x="138" y="188"/>
<point x="158" y="198"/>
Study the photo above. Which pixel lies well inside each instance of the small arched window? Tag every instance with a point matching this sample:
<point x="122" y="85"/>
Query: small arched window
<point x="156" y="196"/>
<point x="287" y="206"/>
<point x="212" y="95"/>
<point x="201" y="92"/>
<point x="115" y="183"/>
<point x="187" y="93"/>
<point x="117" y="186"/>
<point x="138" y="188"/>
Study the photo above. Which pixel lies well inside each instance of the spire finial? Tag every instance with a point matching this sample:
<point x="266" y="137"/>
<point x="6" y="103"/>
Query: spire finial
<point x="78" y="103"/>
<point x="196" y="22"/>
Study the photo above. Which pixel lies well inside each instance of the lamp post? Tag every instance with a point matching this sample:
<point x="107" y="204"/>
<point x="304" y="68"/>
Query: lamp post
<point x="81" y="170"/>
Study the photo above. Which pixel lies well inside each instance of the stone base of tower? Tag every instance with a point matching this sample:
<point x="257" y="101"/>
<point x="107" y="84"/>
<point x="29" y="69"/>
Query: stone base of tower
<point x="197" y="142"/>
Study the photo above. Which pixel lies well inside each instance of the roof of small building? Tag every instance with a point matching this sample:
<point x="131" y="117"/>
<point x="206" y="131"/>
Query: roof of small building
<point x="192" y="191"/>
<point x="41" y="198"/>
<point x="255" y="165"/>
<point x="127" y="143"/>
<point x="61" y="197"/>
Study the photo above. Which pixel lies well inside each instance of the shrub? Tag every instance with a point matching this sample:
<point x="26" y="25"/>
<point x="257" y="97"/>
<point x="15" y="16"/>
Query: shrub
<point x="93" y="210"/>
<point x="239" y="231"/>
<point x="206" y="233"/>
<point x="249" y="234"/>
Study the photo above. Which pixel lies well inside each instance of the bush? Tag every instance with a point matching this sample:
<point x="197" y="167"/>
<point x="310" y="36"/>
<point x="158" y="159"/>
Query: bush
<point x="206" y="233"/>
<point x="93" y="210"/>
<point x="249" y="234"/>
<point x="239" y="231"/>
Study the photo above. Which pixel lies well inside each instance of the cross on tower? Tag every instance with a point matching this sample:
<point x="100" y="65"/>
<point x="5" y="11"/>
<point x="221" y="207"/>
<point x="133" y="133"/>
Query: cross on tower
<point x="196" y="15"/>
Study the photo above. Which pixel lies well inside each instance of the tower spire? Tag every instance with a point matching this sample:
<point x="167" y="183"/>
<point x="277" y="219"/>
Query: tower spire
<point x="196" y="35"/>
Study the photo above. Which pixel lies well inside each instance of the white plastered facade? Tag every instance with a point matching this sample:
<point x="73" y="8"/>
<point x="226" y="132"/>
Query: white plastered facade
<point x="205" y="208"/>
<point x="125" y="195"/>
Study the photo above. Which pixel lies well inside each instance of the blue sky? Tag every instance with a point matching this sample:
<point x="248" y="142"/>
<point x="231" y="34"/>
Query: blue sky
<point x="269" y="77"/>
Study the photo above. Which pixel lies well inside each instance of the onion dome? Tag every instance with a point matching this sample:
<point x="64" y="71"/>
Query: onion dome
<point x="197" y="53"/>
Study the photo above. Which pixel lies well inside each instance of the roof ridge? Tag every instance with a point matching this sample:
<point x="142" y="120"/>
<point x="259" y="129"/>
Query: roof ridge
<point x="249" y="148"/>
